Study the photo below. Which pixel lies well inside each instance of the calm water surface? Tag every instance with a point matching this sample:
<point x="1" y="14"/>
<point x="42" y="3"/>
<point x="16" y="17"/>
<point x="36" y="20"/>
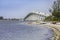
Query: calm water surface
<point x="12" y="30"/>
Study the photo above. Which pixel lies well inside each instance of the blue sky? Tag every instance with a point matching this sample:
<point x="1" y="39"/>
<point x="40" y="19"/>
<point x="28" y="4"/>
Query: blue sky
<point x="20" y="8"/>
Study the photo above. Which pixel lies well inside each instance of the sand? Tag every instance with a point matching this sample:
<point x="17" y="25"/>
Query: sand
<point x="55" y="27"/>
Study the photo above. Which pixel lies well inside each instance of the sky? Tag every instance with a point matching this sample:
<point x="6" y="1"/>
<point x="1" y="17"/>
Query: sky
<point x="20" y="8"/>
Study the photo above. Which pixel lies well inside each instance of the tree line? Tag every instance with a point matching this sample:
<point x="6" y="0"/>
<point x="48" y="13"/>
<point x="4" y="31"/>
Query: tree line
<point x="1" y="18"/>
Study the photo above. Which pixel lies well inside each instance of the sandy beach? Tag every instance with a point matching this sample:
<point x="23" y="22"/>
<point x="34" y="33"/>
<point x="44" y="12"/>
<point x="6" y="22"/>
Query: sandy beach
<point x="55" y="27"/>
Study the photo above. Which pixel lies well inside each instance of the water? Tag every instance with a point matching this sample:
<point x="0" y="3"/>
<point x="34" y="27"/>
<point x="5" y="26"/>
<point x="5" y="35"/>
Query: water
<point x="14" y="30"/>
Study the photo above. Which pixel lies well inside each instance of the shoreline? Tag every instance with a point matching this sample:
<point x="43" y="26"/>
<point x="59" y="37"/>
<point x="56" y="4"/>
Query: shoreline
<point x="56" y="30"/>
<point x="54" y="27"/>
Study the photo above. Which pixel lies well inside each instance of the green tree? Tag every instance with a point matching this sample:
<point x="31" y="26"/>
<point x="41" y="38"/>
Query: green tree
<point x="56" y="9"/>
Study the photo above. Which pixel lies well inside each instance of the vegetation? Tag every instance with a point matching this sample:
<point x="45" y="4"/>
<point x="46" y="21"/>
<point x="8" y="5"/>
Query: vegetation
<point x="55" y="12"/>
<point x="1" y="18"/>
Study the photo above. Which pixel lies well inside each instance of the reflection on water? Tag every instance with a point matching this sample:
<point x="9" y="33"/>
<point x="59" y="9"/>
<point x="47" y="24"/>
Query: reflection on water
<point x="12" y="30"/>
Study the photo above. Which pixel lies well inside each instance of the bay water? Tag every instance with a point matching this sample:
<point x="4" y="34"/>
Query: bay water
<point x="15" y="30"/>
